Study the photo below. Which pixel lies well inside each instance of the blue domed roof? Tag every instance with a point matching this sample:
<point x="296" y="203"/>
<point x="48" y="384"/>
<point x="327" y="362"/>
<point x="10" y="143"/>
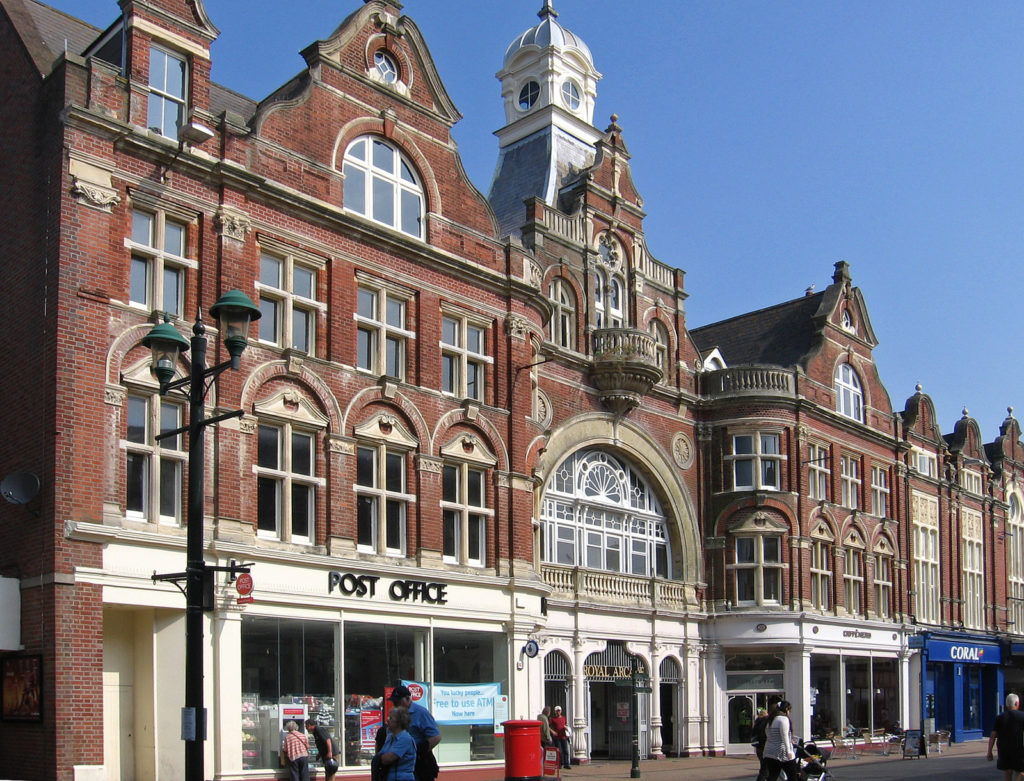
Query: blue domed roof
<point x="548" y="33"/>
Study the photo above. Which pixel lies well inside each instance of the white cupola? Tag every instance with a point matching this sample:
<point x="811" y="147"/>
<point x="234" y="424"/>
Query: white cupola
<point x="548" y="85"/>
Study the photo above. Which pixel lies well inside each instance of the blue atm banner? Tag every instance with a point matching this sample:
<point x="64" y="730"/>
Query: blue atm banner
<point x="460" y="703"/>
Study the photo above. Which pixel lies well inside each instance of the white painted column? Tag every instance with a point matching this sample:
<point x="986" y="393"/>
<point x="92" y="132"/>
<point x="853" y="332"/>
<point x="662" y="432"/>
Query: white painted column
<point x="655" y="726"/>
<point x="224" y="728"/>
<point x="702" y="698"/>
<point x="579" y="690"/>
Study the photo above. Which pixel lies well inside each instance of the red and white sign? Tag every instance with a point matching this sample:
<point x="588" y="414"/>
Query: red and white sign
<point x="416" y="691"/>
<point x="243" y="585"/>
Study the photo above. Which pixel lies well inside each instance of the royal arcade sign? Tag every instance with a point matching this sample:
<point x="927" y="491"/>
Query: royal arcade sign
<point x="407" y="590"/>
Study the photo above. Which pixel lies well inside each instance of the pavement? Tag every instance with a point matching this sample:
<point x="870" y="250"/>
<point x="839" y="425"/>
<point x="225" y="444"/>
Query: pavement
<point x="959" y="762"/>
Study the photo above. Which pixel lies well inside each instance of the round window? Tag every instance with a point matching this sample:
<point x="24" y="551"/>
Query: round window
<point x="528" y="95"/>
<point x="571" y="95"/>
<point x="385" y="66"/>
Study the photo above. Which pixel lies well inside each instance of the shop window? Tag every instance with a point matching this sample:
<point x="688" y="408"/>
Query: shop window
<point x="757" y="570"/>
<point x="849" y="396"/>
<point x="158" y="262"/>
<point x="165" y="112"/>
<point x="756" y="461"/>
<point x="563" y="315"/>
<point x="288" y="302"/>
<point x="600" y="513"/>
<point x="381" y="334"/>
<point x="287" y="673"/>
<point x="464" y="358"/>
<point x="818" y="471"/>
<point x="880" y="491"/>
<point x="153" y="468"/>
<point x="380" y="183"/>
<point x="850" y="467"/>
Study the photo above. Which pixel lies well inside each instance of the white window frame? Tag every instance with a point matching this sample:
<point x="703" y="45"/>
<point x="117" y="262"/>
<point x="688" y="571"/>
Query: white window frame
<point x="285" y="479"/>
<point x="381" y="315"/>
<point x="460" y="358"/>
<point x="760" y="458"/>
<point x="821" y="574"/>
<point x="162" y="94"/>
<point x="151" y="253"/>
<point x="880" y="491"/>
<point x="659" y="332"/>
<point x="851" y="482"/>
<point x="819" y="474"/>
<point x="563" y="313"/>
<point x="608" y="295"/>
<point x="1015" y="562"/>
<point x="925" y="551"/>
<point x="849" y="393"/>
<point x="883" y="585"/>
<point x="764" y="572"/>
<point x="379" y="496"/>
<point x="973" y="568"/>
<point x="971" y="481"/>
<point x="600" y="513"/>
<point x="281" y="305"/>
<point x="853" y="579"/>
<point x="363" y="175"/>
<point x="155" y="455"/>
<point x="924" y="463"/>
<point x="460" y="510"/>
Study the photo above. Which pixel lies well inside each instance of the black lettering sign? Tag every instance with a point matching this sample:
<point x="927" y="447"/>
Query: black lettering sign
<point x="400" y="590"/>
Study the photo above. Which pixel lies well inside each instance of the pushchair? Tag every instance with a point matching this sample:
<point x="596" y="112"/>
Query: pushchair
<point x="813" y="762"/>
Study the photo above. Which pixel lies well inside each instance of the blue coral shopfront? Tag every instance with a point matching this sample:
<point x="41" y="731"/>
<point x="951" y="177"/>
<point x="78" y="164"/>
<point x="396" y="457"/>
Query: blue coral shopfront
<point x="961" y="687"/>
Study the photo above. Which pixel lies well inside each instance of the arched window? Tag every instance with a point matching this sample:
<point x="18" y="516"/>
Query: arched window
<point x="849" y="397"/>
<point x="1015" y="564"/>
<point x="599" y="513"/>
<point x="661" y="347"/>
<point x="563" y="314"/>
<point x="607" y="300"/>
<point x="380" y="184"/>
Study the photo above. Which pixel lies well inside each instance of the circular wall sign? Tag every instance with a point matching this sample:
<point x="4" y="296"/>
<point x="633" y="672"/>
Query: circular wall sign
<point x="531" y="648"/>
<point x="243" y="584"/>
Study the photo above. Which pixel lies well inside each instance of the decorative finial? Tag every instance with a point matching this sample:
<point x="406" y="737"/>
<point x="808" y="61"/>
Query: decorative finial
<point x="918" y="387"/>
<point x="547" y="10"/>
<point x="615" y="117"/>
<point x="809" y="291"/>
<point x="1009" y="412"/>
<point x="964" y="411"/>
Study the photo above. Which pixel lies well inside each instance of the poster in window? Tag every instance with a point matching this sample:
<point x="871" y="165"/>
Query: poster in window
<point x="22" y="688"/>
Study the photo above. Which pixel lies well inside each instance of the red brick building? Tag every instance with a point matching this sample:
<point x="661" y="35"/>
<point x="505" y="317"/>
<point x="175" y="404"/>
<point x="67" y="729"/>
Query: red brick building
<point x="480" y="451"/>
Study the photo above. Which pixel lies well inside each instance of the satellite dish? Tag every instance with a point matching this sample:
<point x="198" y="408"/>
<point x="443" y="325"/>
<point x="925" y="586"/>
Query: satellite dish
<point x="19" y="487"/>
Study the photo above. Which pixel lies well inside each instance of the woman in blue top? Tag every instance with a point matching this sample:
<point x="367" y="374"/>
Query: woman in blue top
<point x="398" y="754"/>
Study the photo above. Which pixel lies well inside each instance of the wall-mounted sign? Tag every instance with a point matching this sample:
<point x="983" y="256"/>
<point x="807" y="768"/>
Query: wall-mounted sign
<point x="352" y="585"/>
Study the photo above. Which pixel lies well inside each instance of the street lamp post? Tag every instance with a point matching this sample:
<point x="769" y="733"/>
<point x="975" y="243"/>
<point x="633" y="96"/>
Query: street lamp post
<point x="235" y="311"/>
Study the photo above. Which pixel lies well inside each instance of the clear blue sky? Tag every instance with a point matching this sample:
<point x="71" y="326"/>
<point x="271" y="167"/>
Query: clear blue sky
<point x="770" y="139"/>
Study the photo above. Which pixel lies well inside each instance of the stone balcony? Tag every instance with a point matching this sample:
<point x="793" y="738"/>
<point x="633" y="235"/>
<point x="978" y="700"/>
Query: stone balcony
<point x="625" y="367"/>
<point x="613" y="588"/>
<point x="748" y="381"/>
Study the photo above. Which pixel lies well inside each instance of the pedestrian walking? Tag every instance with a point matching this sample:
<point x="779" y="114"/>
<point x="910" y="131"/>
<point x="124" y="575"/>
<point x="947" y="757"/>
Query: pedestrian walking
<point x="1007" y="732"/>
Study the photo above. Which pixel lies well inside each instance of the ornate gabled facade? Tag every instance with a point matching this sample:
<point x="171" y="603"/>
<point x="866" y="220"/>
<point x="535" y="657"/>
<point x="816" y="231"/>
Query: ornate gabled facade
<point x="479" y="449"/>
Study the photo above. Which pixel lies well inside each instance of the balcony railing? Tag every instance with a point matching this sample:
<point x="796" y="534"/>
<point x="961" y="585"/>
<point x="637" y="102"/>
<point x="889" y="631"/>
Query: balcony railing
<point x="749" y="381"/>
<point x="595" y="586"/>
<point x="625" y="367"/>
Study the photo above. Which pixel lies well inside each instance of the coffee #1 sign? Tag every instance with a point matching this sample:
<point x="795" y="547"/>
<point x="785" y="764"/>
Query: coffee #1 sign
<point x="461" y="703"/>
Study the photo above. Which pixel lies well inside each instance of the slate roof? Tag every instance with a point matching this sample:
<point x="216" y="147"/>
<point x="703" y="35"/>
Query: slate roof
<point x="46" y="31"/>
<point x="781" y="335"/>
<point x="522" y="172"/>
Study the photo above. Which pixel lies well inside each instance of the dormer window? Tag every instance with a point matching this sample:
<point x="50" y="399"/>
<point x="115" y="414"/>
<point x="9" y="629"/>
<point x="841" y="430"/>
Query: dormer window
<point x="528" y="95"/>
<point x="386" y="67"/>
<point x="165" y="112"/>
<point x="849" y="396"/>
<point x="380" y="184"/>
<point x="570" y="95"/>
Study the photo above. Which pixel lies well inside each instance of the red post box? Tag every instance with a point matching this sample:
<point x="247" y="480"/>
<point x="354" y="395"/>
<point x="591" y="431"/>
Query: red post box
<point x="522" y="750"/>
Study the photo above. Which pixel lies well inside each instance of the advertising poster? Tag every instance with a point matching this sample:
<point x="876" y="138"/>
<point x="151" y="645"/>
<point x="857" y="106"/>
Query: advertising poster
<point x="22" y="688"/>
<point x="369" y="722"/>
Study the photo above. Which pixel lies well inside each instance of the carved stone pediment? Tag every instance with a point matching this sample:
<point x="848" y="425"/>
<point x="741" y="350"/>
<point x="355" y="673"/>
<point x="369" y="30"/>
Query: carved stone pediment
<point x="291" y="405"/>
<point x="386" y="428"/>
<point x="470" y="448"/>
<point x="758" y="522"/>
